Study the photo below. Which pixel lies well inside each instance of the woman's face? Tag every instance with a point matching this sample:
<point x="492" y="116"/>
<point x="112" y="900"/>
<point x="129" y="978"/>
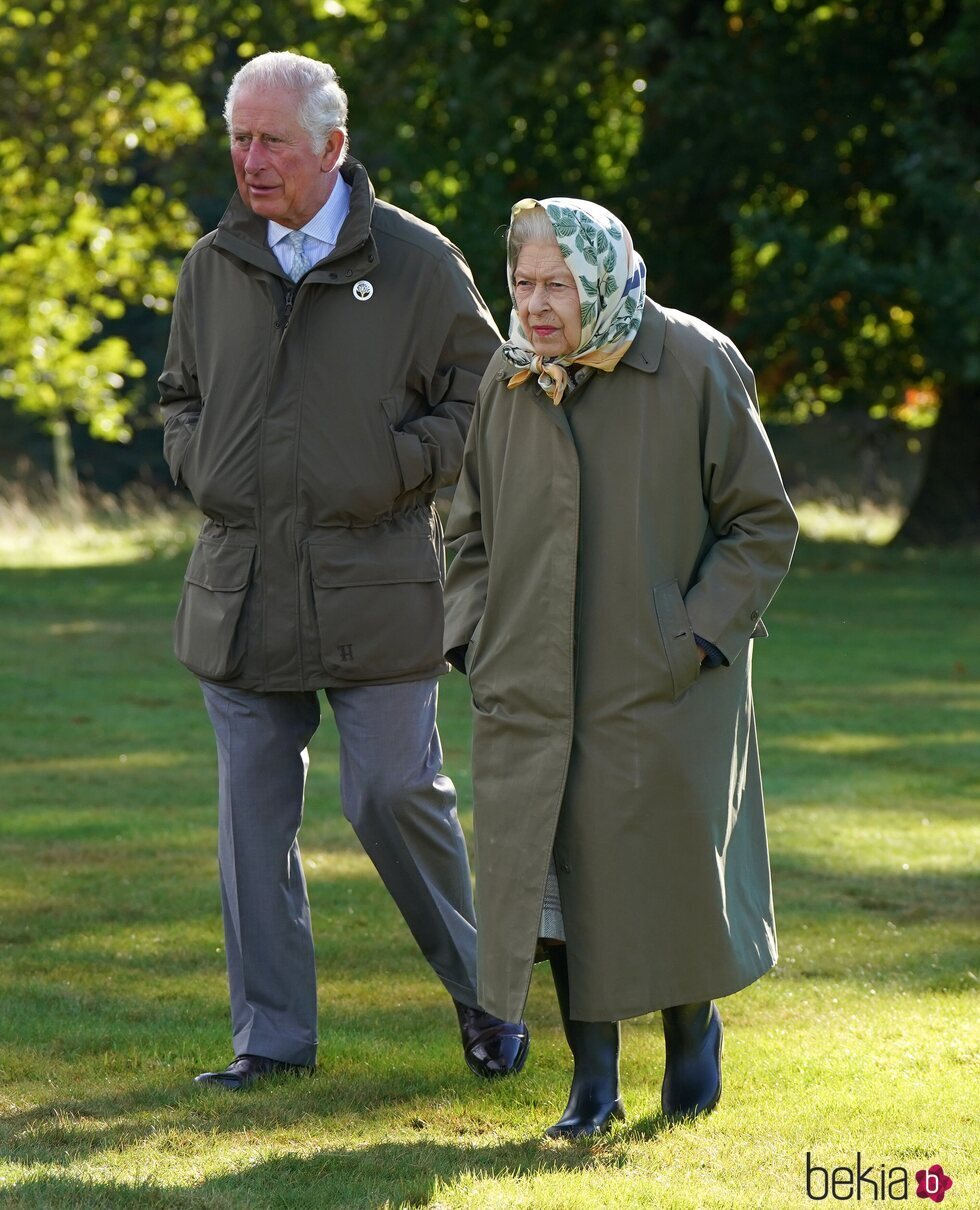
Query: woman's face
<point x="547" y="300"/>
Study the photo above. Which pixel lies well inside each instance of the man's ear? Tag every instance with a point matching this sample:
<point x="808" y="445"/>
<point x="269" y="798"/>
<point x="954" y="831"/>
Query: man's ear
<point x="332" y="151"/>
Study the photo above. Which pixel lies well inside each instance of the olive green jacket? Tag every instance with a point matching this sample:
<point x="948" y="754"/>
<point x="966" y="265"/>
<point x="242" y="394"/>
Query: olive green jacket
<point x="593" y="541"/>
<point x="313" y="426"/>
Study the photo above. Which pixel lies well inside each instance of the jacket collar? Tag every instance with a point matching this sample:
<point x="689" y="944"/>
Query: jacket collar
<point x="243" y="233"/>
<point x="648" y="345"/>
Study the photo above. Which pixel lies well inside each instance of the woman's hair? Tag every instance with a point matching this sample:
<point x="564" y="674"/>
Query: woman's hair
<point x="529" y="226"/>
<point x="322" y="103"/>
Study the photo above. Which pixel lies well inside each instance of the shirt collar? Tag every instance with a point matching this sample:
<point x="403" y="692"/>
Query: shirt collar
<point x="325" y="224"/>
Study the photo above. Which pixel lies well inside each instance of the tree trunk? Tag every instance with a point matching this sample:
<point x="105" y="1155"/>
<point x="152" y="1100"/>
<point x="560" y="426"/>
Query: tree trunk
<point x="946" y="508"/>
<point x="65" y="475"/>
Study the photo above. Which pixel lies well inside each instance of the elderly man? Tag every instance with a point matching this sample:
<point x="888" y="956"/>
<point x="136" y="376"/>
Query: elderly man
<point x="324" y="357"/>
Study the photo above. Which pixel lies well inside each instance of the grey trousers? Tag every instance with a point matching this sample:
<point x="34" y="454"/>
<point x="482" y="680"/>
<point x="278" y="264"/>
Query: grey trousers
<point x="403" y="810"/>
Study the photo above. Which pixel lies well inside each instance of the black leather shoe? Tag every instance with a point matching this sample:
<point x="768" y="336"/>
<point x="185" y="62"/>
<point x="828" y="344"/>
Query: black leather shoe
<point x="491" y="1047"/>
<point x="246" y="1069"/>
<point x="693" y="1036"/>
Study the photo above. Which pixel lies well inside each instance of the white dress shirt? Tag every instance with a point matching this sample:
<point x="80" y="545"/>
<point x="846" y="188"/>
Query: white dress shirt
<point x="322" y="229"/>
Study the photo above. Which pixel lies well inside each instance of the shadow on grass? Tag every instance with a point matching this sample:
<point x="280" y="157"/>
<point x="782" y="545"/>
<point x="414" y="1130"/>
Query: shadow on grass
<point x="395" y="1173"/>
<point x="410" y="1174"/>
<point x="913" y="930"/>
<point x="806" y="890"/>
<point x="385" y="1174"/>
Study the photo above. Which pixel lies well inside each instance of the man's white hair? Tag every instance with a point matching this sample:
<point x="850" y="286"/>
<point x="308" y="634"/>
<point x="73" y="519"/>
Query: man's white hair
<point x="321" y="102"/>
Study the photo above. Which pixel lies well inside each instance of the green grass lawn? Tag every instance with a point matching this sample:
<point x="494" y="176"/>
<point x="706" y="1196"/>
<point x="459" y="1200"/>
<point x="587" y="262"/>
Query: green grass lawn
<point x="112" y="993"/>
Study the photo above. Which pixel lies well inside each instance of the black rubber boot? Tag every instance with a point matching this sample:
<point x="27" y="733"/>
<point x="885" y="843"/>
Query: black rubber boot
<point x="594" y="1099"/>
<point x="693" y="1038"/>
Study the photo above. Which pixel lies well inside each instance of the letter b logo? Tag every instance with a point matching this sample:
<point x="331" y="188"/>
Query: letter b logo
<point x="933" y="1183"/>
<point x="817" y="1181"/>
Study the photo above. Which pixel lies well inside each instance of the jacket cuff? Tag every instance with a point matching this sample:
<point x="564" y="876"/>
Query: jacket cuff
<point x="457" y="657"/>
<point x="713" y="658"/>
<point x="177" y="435"/>
<point x="411" y="459"/>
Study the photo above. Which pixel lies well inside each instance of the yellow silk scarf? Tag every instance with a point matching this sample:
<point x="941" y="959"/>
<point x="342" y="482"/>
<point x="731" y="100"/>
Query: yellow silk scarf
<point x="554" y="379"/>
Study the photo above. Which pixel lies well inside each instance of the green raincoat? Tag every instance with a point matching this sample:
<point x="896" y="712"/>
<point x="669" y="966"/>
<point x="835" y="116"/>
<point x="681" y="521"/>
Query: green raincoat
<point x="593" y="541"/>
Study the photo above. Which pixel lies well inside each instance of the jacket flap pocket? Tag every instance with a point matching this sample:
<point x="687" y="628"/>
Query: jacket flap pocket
<point x="671" y="612"/>
<point x="393" y="412"/>
<point x="677" y="636"/>
<point x="220" y="566"/>
<point x="364" y="558"/>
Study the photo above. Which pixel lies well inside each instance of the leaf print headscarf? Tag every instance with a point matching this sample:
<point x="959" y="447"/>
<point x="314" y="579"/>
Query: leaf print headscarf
<point x="611" y="277"/>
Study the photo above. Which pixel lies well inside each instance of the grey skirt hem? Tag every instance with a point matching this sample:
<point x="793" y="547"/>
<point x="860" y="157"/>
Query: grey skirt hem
<point x="552" y="926"/>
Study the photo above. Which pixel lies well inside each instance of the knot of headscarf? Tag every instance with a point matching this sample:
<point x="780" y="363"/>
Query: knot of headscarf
<point x="611" y="278"/>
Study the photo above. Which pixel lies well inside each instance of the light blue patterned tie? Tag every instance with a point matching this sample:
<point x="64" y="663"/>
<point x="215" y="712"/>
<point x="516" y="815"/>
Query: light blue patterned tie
<point x="301" y="260"/>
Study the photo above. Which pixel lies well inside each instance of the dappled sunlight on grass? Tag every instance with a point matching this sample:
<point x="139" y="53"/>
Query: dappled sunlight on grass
<point x="839" y="743"/>
<point x="131" y="761"/>
<point x="321" y="864"/>
<point x="856" y="521"/>
<point x="842" y="743"/>
<point x="107" y="530"/>
<point x="890" y="839"/>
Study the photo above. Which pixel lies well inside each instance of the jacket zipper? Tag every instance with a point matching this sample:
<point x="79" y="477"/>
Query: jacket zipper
<point x="283" y="319"/>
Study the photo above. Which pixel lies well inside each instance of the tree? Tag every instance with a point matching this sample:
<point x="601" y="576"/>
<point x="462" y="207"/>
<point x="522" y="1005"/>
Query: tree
<point x="856" y="222"/>
<point x="461" y="109"/>
<point x="86" y="230"/>
<point x="800" y="173"/>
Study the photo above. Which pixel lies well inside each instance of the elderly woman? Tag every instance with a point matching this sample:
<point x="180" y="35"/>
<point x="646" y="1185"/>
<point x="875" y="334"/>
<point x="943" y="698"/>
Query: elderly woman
<point x="620" y="527"/>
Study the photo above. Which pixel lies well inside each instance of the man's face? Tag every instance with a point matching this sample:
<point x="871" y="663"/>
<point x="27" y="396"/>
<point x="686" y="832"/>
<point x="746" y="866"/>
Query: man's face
<point x="279" y="174"/>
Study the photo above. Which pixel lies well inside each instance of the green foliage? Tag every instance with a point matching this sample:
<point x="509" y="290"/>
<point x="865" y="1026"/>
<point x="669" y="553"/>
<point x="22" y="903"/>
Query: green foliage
<point x="86" y="232"/>
<point x="515" y="100"/>
<point x="856" y="257"/>
<point x="800" y="174"/>
<point x="112" y="158"/>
